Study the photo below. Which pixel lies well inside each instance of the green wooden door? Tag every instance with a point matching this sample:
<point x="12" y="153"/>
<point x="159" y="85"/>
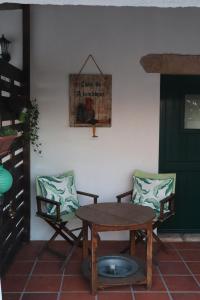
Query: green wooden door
<point x="180" y="147"/>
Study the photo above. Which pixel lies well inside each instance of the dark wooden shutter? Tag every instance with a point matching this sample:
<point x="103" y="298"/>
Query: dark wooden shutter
<point x="15" y="204"/>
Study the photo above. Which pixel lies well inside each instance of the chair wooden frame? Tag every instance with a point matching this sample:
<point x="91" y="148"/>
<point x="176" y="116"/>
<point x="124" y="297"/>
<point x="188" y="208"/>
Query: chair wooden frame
<point x="60" y="226"/>
<point x="159" y="220"/>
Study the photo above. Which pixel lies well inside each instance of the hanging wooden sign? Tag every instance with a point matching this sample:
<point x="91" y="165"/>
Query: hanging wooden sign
<point x="90" y="100"/>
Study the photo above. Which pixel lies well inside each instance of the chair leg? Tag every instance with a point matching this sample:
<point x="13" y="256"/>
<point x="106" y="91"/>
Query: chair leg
<point x="67" y="235"/>
<point x="160" y="243"/>
<point x="46" y="244"/>
<point x="139" y="237"/>
<point x="71" y="235"/>
<point x="73" y="248"/>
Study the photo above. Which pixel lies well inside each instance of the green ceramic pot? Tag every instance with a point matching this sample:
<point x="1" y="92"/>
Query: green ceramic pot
<point x="6" y="180"/>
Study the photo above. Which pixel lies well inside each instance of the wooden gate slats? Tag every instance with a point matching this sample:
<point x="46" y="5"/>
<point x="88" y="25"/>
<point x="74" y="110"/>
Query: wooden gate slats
<point x="12" y="235"/>
<point x="11" y="162"/>
<point x="9" y="255"/>
<point x="17" y="187"/>
<point x="6" y="232"/>
<point x="10" y="247"/>
<point x="9" y="85"/>
<point x="13" y="204"/>
<point x="10" y="71"/>
<point x="7" y="224"/>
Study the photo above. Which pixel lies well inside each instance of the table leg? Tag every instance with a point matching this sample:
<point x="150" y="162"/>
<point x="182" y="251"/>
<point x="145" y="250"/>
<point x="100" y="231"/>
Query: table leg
<point x="93" y="261"/>
<point x="149" y="257"/>
<point x="132" y="242"/>
<point x="85" y="239"/>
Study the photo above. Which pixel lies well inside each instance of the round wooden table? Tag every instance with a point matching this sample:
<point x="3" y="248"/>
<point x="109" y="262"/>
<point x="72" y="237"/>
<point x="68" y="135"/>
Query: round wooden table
<point x="116" y="217"/>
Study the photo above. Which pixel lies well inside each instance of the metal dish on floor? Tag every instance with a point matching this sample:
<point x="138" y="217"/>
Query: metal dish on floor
<point x="116" y="266"/>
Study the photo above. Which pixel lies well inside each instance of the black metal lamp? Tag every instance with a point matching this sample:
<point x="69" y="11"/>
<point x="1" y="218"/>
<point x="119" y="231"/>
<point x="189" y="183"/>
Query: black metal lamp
<point x="4" y="43"/>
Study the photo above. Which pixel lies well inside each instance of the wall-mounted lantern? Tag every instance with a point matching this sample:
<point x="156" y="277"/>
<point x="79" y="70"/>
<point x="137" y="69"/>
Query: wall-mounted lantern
<point x="4" y="44"/>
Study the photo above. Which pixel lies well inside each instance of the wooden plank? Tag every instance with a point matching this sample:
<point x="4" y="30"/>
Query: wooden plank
<point x="11" y="240"/>
<point x="8" y="257"/>
<point x="10" y="6"/>
<point x="171" y="64"/>
<point x="10" y="71"/>
<point x="8" y="224"/>
<point x="26" y="76"/>
<point x="16" y="227"/>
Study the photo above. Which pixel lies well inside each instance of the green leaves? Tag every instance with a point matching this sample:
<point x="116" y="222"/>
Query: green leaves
<point x="7" y="131"/>
<point x="60" y="189"/>
<point x="150" y="192"/>
<point x="32" y="126"/>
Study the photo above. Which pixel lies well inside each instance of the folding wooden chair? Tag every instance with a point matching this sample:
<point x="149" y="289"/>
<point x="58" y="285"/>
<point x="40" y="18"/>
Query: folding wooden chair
<point x="57" y="203"/>
<point x="156" y="191"/>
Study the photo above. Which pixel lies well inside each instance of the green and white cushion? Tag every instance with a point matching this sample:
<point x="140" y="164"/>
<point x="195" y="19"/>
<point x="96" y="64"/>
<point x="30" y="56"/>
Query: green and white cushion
<point x="150" y="191"/>
<point x="61" y="189"/>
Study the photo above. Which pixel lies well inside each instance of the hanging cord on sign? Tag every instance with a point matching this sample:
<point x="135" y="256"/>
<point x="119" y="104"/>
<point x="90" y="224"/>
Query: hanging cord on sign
<point x="92" y="122"/>
<point x="90" y="56"/>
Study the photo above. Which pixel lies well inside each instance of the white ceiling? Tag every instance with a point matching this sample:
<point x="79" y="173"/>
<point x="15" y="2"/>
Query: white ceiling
<point x="144" y="3"/>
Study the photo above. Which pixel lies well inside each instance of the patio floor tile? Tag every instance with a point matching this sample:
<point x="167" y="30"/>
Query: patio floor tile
<point x="184" y="296"/>
<point x="120" y="289"/>
<point x="181" y="283"/>
<point x="33" y="278"/>
<point x="151" y="296"/>
<point x="115" y="296"/>
<point x="43" y="284"/>
<point x="73" y="268"/>
<point x="36" y="296"/>
<point x="187" y="246"/>
<point x="198" y="278"/>
<point x="194" y="267"/>
<point x="190" y="255"/>
<point x="14" y="283"/>
<point x="11" y="296"/>
<point x="75" y="283"/>
<point x="76" y="296"/>
<point x="48" y="268"/>
<point x="20" y="268"/>
<point x="157" y="285"/>
<point x="177" y="268"/>
<point x="29" y="251"/>
<point x="169" y="255"/>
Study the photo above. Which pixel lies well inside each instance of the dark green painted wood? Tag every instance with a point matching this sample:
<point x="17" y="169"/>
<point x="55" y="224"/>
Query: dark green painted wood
<point x="180" y="151"/>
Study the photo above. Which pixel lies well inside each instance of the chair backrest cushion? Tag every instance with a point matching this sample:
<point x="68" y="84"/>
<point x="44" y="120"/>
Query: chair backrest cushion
<point x="61" y="189"/>
<point x="150" y="189"/>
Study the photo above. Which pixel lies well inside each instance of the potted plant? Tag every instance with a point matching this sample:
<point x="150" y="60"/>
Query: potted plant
<point x="7" y="136"/>
<point x="30" y="117"/>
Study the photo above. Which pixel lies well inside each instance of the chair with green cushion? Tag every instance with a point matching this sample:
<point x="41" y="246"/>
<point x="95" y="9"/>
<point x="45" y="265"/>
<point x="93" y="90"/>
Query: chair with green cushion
<point x="156" y="191"/>
<point x="57" y="202"/>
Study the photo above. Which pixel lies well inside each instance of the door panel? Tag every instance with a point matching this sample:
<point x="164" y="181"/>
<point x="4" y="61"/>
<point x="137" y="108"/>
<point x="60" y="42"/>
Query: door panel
<point x="180" y="151"/>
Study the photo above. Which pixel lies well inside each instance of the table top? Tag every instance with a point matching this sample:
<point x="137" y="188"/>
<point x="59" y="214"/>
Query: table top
<point x="116" y="214"/>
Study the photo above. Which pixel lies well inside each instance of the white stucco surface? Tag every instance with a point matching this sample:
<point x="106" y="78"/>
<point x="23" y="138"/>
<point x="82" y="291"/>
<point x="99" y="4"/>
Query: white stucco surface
<point x="11" y="27"/>
<point x="61" y="39"/>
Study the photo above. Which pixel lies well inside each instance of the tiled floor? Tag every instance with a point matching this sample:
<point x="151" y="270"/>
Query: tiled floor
<point x="175" y="277"/>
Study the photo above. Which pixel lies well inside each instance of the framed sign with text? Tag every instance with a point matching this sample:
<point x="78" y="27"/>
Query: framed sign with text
<point x="90" y="100"/>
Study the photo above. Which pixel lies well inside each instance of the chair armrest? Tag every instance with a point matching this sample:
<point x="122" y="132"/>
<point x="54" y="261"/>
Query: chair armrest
<point x="41" y="199"/>
<point x="170" y="200"/>
<point x="95" y="197"/>
<point x="120" y="196"/>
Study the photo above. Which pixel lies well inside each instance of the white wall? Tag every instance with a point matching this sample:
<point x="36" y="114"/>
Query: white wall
<point x="11" y="27"/>
<point x="61" y="39"/>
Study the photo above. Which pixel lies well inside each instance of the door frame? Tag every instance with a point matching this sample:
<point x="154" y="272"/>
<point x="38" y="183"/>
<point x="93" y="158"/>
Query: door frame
<point x="162" y="134"/>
